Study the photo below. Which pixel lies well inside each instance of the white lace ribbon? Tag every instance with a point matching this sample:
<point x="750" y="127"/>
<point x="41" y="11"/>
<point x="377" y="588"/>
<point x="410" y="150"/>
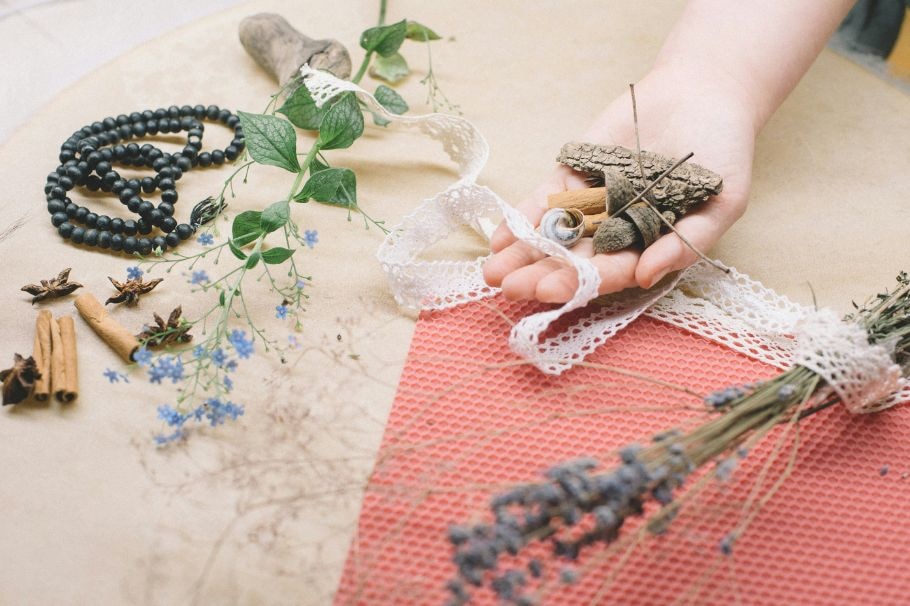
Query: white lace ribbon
<point x="730" y="309"/>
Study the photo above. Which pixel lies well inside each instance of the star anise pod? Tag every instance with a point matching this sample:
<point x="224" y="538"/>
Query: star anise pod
<point x="175" y="330"/>
<point x="19" y="380"/>
<point x="55" y="287"/>
<point x="130" y="291"/>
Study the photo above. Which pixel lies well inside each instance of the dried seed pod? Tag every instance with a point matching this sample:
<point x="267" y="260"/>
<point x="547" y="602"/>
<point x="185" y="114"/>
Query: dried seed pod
<point x="563" y="225"/>
<point x="613" y="234"/>
<point x="619" y="190"/>
<point x="646" y="221"/>
<point x="19" y="380"/>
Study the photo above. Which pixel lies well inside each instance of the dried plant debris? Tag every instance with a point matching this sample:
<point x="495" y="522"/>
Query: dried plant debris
<point x="174" y="331"/>
<point x="688" y="185"/>
<point x="129" y="292"/>
<point x="55" y="287"/>
<point x="19" y="380"/>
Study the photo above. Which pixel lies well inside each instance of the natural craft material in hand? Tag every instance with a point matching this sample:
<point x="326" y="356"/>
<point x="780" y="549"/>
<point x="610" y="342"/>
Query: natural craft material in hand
<point x="688" y="185"/>
<point x="281" y="50"/>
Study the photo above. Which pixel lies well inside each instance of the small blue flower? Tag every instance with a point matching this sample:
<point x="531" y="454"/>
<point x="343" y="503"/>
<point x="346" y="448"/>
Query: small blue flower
<point x="142" y="356"/>
<point x="200" y="277"/>
<point x="133" y="273"/>
<point x="217" y="412"/>
<point x="206" y="239"/>
<point x="300" y="284"/>
<point x="281" y="312"/>
<point x="242" y="345"/>
<point x="199" y="352"/>
<point x="293" y="342"/>
<point x="311" y="237"/>
<point x="162" y="439"/>
<point x="171" y="416"/>
<point x="228" y="383"/>
<point x="166" y="368"/>
<point x="218" y="357"/>
<point x="114" y="377"/>
<point x="231" y="366"/>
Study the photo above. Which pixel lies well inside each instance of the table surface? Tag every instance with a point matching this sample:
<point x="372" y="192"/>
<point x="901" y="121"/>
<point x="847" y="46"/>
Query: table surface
<point x="263" y="511"/>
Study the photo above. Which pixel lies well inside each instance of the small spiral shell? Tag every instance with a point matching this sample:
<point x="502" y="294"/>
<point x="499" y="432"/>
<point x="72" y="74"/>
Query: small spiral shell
<point x="563" y="225"/>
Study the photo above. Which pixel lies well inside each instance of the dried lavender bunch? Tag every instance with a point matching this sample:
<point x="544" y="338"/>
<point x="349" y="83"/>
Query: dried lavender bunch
<point x="578" y="506"/>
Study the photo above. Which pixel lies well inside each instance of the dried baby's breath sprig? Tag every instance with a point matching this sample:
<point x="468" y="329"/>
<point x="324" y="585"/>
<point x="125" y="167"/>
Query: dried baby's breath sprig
<point x="578" y="506"/>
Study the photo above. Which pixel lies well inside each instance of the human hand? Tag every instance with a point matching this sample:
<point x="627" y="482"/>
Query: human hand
<point x="678" y="112"/>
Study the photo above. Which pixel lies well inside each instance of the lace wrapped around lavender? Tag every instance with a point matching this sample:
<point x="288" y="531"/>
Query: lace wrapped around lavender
<point x="729" y="309"/>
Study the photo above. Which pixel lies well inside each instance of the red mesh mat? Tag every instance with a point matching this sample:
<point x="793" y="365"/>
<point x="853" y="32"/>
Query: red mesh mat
<point x="470" y="419"/>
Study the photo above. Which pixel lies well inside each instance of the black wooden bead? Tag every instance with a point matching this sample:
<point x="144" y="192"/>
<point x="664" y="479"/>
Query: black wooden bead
<point x="231" y="152"/>
<point x="218" y="157"/>
<point x="72" y="171"/>
<point x="91" y="237"/>
<point x="56" y="192"/>
<point x="71" y="210"/>
<point x="118" y="186"/>
<point x="93" y="159"/>
<point x="160" y="164"/>
<point x="135" y="117"/>
<point x="148" y="115"/>
<point x="132" y="150"/>
<point x="58" y="219"/>
<point x="83" y="172"/>
<point x="103" y="168"/>
<point x="187" y="123"/>
<point x="223" y="115"/>
<point x="66" y="155"/>
<point x="103" y="222"/>
<point x="146" y="149"/>
<point x="165" y="173"/>
<point x="119" y="151"/>
<point x="81" y="214"/>
<point x="173" y="111"/>
<point x="167" y="208"/>
<point x="199" y="111"/>
<point x="233" y="121"/>
<point x="129" y="244"/>
<point x="109" y="123"/>
<point x="48" y="187"/>
<point x="166" y="183"/>
<point x="116" y="225"/>
<point x="184" y="231"/>
<point x="126" y="193"/>
<point x="117" y="242"/>
<point x="160" y="113"/>
<point x="151" y="127"/>
<point x="237" y="142"/>
<point x="104" y="239"/>
<point x="176" y="172"/>
<point x="66" y="229"/>
<point x="66" y="183"/>
<point x="91" y="219"/>
<point x="144" y="246"/>
<point x="145" y="208"/>
<point x="129" y="227"/>
<point x="97" y="127"/>
<point x="144" y="226"/>
<point x="172" y="239"/>
<point x="93" y="183"/>
<point x="78" y="235"/>
<point x="173" y="125"/>
<point x="134" y="204"/>
<point x="59" y="206"/>
<point x="122" y="119"/>
<point x="125" y="131"/>
<point x="169" y="196"/>
<point x="52" y="177"/>
<point x="205" y="159"/>
<point x="211" y="112"/>
<point x="155" y="217"/>
<point x="167" y="224"/>
<point x="184" y="164"/>
<point x="139" y="129"/>
<point x="159" y="242"/>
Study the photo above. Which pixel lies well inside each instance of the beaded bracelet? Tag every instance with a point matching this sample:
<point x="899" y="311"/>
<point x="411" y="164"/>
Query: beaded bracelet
<point x="86" y="159"/>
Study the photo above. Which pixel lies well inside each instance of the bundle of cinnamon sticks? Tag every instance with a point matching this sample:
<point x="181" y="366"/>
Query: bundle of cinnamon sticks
<point x="55" y="357"/>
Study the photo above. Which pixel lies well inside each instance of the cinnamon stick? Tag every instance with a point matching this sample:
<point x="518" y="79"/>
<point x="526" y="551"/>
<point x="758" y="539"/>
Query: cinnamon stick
<point x="590" y="200"/>
<point x="58" y="380"/>
<point x="111" y="332"/>
<point x="42" y="355"/>
<point x="592" y="222"/>
<point x="70" y="390"/>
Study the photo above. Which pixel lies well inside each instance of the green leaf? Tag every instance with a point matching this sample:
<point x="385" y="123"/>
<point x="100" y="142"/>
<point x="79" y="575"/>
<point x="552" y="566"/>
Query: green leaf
<point x="379" y="120"/>
<point x="270" y="140"/>
<point x="274" y="256"/>
<point x="301" y="110"/>
<point x="392" y="69"/>
<point x="420" y="33"/>
<point x="253" y="260"/>
<point x="390" y="100"/>
<point x="385" y="39"/>
<point x="274" y="217"/>
<point x="342" y="124"/>
<point x="317" y="165"/>
<point x="221" y="299"/>
<point x="237" y="252"/>
<point x="246" y="227"/>
<point x="334" y="186"/>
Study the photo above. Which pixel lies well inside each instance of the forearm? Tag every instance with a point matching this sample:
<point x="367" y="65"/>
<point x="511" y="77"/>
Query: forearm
<point x="759" y="49"/>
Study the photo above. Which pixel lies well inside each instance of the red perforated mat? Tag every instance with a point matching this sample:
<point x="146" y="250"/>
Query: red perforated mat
<point x="469" y="418"/>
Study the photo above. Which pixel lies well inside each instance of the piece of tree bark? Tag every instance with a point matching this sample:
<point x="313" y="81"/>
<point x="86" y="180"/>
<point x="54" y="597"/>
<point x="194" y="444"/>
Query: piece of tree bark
<point x="281" y="50"/>
<point x="688" y="185"/>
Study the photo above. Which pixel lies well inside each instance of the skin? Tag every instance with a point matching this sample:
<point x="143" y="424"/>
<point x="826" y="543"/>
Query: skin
<point x="722" y="72"/>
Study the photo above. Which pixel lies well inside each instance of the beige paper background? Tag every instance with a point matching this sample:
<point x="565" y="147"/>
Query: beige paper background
<point x="263" y="512"/>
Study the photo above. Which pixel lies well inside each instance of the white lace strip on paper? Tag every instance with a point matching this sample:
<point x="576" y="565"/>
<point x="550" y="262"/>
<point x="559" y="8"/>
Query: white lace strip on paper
<point x="730" y="309"/>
